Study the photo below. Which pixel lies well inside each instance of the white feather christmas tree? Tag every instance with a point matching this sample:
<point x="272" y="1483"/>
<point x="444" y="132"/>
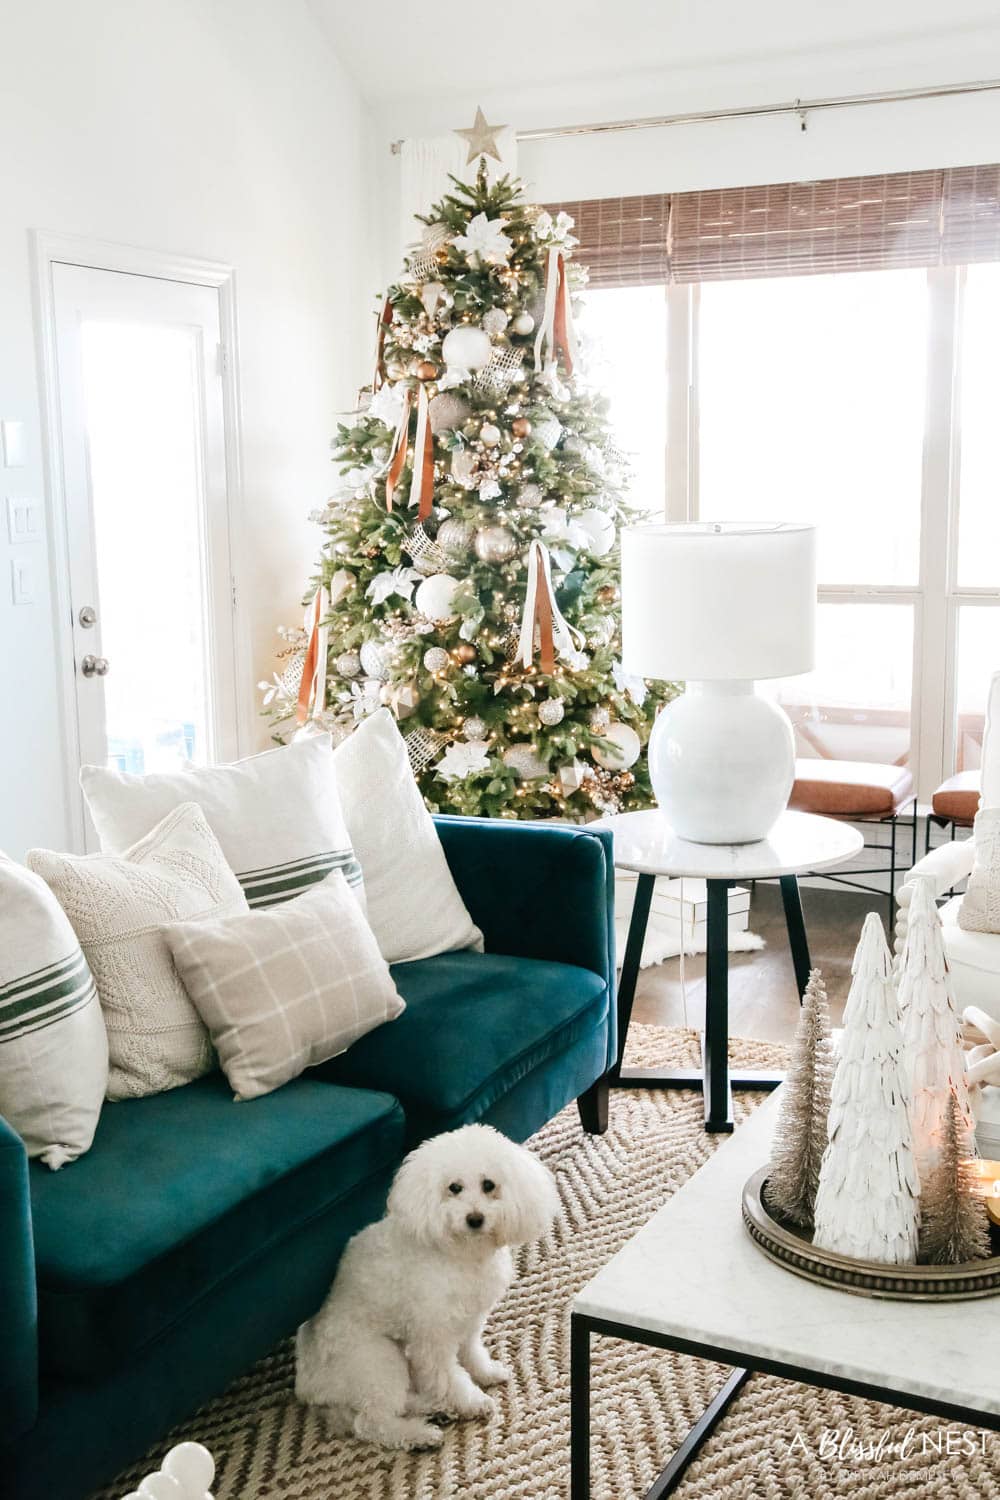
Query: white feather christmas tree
<point x="866" y="1203"/>
<point x="932" y="1037"/>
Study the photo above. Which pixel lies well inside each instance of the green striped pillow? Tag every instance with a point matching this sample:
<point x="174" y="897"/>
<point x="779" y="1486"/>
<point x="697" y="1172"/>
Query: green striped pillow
<point x="53" y="1045"/>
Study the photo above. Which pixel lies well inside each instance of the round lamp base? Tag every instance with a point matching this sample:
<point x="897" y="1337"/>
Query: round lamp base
<point x="722" y="763"/>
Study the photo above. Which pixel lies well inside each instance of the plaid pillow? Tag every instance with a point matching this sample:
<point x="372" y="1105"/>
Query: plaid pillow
<point x="285" y="988"/>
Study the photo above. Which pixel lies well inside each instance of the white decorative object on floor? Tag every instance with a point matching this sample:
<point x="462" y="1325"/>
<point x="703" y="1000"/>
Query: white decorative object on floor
<point x="185" y="1474"/>
<point x="53" y="1045"/>
<point x="932" y="1035"/>
<point x="118" y="905"/>
<point x="719" y="606"/>
<point x="866" y="1204"/>
<point x="414" y="907"/>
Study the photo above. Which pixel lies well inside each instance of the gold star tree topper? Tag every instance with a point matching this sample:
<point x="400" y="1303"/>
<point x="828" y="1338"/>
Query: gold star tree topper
<point x="481" y="138"/>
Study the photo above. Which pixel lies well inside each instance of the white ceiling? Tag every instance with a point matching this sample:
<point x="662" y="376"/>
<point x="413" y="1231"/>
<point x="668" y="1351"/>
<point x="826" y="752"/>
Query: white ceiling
<point x="401" y="50"/>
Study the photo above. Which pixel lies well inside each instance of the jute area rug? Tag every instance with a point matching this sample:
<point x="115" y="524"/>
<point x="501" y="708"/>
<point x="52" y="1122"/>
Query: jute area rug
<point x="778" y="1438"/>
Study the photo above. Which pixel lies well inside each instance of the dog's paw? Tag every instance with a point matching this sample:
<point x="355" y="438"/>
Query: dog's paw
<point x="491" y="1372"/>
<point x="476" y="1404"/>
<point x="424" y="1435"/>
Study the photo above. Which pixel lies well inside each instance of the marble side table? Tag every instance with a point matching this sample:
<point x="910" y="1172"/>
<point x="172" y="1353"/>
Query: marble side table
<point x="692" y="1280"/>
<point x="646" y="844"/>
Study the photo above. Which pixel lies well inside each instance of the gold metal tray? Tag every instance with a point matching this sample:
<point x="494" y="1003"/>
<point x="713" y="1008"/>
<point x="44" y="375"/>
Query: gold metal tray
<point x="792" y="1248"/>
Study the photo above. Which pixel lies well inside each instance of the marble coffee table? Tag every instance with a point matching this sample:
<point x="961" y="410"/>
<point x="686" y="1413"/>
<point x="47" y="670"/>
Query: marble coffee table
<point x="693" y="1281"/>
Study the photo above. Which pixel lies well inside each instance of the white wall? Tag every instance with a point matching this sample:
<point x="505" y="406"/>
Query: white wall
<point x="886" y="138"/>
<point x="221" y="129"/>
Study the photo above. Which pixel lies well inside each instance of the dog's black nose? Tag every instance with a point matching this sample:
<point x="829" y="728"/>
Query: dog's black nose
<point x="474" y="1221"/>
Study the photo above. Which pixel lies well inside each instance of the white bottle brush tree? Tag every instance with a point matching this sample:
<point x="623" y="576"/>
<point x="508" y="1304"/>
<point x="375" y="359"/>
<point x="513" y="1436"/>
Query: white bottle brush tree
<point x="469" y="574"/>
<point x="866" y="1203"/>
<point x="800" y="1136"/>
<point x="932" y="1036"/>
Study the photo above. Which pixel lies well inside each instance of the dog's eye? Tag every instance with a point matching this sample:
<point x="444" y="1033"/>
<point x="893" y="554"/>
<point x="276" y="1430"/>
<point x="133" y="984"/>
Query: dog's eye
<point x="454" y="1187"/>
<point x="488" y="1186"/>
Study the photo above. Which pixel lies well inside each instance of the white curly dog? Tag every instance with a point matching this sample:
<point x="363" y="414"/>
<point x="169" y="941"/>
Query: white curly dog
<point x="399" y="1337"/>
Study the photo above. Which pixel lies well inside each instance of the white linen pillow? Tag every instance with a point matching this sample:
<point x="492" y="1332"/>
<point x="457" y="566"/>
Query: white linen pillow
<point x="284" y="989"/>
<point x="276" y="815"/>
<point x="53" y="1045"/>
<point x="118" y="905"/>
<point x="980" y="908"/>
<point x="414" y="907"/>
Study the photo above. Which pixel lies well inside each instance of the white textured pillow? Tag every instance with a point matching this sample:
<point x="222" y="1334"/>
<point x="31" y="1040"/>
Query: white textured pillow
<point x="980" y="908"/>
<point x="284" y="989"/>
<point x="118" y="905"/>
<point x="276" y="815"/>
<point x="53" y="1046"/>
<point x="414" y="907"/>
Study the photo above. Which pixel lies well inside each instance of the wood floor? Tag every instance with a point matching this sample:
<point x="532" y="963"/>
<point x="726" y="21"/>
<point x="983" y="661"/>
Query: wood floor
<point x="763" y="1001"/>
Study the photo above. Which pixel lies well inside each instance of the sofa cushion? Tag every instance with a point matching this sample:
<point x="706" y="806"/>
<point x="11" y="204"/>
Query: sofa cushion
<point x="474" y="1025"/>
<point x="850" y="788"/>
<point x="180" y="1190"/>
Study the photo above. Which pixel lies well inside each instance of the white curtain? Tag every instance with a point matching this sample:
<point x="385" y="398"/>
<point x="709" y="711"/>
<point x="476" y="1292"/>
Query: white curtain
<point x="425" y="165"/>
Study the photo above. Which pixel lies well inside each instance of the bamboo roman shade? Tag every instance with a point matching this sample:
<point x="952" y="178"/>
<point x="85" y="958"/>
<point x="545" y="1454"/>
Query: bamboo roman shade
<point x="942" y="217"/>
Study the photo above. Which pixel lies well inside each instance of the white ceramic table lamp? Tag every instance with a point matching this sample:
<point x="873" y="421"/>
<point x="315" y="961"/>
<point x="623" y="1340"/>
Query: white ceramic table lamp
<point x="718" y="606"/>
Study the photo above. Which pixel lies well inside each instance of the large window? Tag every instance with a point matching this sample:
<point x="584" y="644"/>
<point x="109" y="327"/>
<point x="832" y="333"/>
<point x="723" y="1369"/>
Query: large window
<point x="866" y="402"/>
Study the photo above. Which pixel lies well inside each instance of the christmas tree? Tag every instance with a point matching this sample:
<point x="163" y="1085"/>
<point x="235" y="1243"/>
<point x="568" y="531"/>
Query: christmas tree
<point x="932" y="1035"/>
<point x="866" y="1203"/>
<point x="800" y="1135"/>
<point x="954" y="1226"/>
<point x="469" y="575"/>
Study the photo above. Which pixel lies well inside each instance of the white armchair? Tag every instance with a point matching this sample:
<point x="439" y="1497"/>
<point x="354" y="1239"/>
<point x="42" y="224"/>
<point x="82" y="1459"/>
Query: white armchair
<point x="973" y="957"/>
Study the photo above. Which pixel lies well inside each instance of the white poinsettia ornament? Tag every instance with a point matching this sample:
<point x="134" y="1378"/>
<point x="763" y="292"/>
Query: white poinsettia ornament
<point x="464" y="759"/>
<point x="485" y="239"/>
<point x="386" y="405"/>
<point x="396" y="581"/>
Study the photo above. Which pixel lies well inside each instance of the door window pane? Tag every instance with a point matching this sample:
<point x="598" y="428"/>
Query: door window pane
<point x="141" y="392"/>
<point x="978" y="659"/>
<point x="624" y="335"/>
<point x="979" y="418"/>
<point x="811" y="408"/>
<point x="855" y="705"/>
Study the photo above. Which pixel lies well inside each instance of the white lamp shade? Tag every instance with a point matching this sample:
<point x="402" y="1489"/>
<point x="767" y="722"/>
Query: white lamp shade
<point x="717" y="601"/>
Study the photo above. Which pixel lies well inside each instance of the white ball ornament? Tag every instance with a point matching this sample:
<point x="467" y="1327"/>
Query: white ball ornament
<point x="160" y="1486"/>
<point x="192" y="1466"/>
<point x="434" y="596"/>
<point x="490" y="434"/>
<point x="621" y="751"/>
<point x="600" y="529"/>
<point x="466" y="348"/>
<point x="530" y="496"/>
<point x="523" y="324"/>
<point x="436" y="659"/>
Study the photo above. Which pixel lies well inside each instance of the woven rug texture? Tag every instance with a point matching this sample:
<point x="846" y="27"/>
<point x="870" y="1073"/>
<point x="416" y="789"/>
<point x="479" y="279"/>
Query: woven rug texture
<point x="778" y="1439"/>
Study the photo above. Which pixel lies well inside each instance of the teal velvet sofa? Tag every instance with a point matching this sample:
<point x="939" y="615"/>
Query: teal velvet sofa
<point x="196" y="1233"/>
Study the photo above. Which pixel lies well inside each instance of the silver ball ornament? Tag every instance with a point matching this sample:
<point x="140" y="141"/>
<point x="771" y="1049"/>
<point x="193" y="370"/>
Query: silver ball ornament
<point x="490" y="434"/>
<point x="530" y="496"/>
<point x="456" y="536"/>
<point x="495" y="544"/>
<point x="475" y="728"/>
<point x="551" y="712"/>
<point x="436" y="659"/>
<point x="599" y="719"/>
<point x="495" y="321"/>
<point x="446" y="410"/>
<point x="348" y="664"/>
<point x="523" y="761"/>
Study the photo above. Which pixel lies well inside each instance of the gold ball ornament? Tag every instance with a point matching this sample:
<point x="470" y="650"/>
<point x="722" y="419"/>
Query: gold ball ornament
<point x="441" y="254"/>
<point x="465" y="651"/>
<point x="394" y="370"/>
<point x="425" y="370"/>
<point x="608" y="594"/>
<point x="520" y="427"/>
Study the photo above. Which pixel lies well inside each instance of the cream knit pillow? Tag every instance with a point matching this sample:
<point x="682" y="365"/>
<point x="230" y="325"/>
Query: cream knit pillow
<point x="283" y="989"/>
<point x="118" y="905"/>
<point x="980" y="908"/>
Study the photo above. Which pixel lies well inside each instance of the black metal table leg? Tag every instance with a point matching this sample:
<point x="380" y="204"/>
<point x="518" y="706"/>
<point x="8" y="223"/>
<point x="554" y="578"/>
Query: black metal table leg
<point x="794" y="921"/>
<point x="629" y="976"/>
<point x="715" y="1044"/>
<point x="579" y="1407"/>
<point x="689" y="1449"/>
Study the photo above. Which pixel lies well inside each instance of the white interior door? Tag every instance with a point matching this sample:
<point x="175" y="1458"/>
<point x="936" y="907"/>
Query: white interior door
<point x="142" y="437"/>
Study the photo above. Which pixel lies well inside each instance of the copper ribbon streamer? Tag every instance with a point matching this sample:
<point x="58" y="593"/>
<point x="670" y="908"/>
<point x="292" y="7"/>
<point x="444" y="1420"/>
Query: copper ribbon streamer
<point x="543" y="614"/>
<point x="422" y="485"/>
<point x="384" y="319"/>
<point x="555" y="331"/>
<point x="562" y="323"/>
<point x="540" y="608"/>
<point x="400" y="447"/>
<point x="313" y="668"/>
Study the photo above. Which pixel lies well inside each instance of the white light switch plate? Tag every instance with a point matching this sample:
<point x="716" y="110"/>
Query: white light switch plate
<point x="24" y="520"/>
<point x="12" y="434"/>
<point x="22" y="580"/>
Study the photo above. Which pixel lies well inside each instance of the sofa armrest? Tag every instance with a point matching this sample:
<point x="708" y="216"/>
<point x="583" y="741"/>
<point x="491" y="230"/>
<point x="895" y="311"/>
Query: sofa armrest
<point x="536" y="890"/>
<point x="18" y="1300"/>
<point x="943" y="867"/>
